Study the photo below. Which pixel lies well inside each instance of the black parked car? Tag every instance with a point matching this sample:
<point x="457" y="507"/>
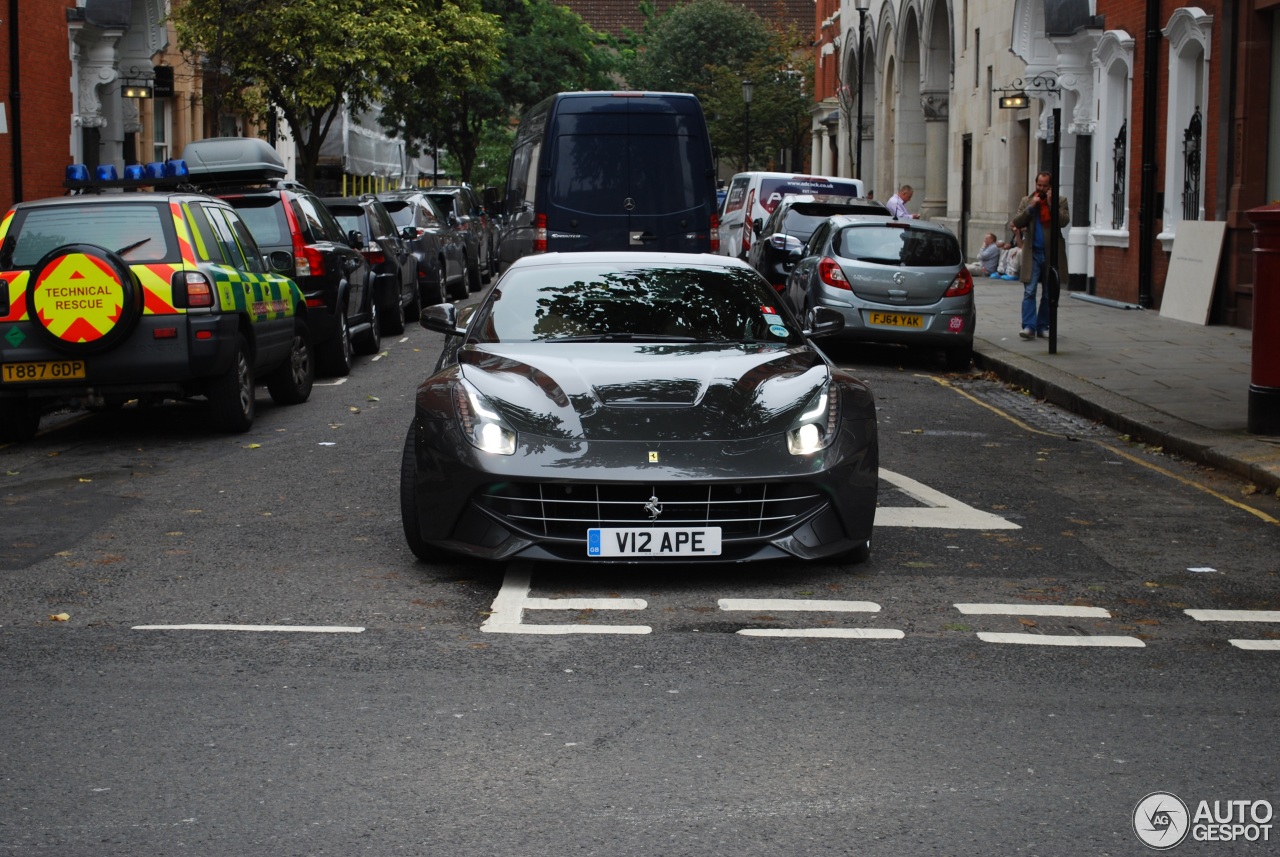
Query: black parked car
<point x="286" y="216"/>
<point x="790" y="225"/>
<point x="395" y="282"/>
<point x="480" y="232"/>
<point x="438" y="246"/>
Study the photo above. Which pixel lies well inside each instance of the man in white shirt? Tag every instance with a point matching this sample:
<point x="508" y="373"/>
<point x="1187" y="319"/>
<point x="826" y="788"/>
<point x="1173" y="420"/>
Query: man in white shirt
<point x="897" y="204"/>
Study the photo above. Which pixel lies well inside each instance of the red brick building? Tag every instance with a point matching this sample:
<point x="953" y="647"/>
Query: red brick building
<point x="34" y="74"/>
<point x="616" y="17"/>
<point x="1189" y="88"/>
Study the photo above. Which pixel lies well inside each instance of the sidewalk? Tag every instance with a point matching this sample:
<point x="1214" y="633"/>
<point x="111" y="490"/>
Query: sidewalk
<point x="1168" y="383"/>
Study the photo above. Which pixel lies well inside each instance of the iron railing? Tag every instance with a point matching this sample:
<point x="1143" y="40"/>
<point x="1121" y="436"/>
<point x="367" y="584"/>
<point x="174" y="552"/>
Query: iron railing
<point x="1191" y="140"/>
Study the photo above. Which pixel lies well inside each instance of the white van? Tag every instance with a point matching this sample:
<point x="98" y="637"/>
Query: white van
<point x="753" y="196"/>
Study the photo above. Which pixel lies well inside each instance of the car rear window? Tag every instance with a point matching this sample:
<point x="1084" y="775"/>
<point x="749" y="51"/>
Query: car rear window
<point x="139" y="233"/>
<point x="264" y="215"/>
<point x="351" y="219"/>
<point x="898" y="245"/>
<point x="708" y="304"/>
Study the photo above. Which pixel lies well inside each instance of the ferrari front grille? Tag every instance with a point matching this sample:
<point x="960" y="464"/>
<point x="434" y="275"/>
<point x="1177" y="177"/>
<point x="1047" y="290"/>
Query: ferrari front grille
<point x="567" y="510"/>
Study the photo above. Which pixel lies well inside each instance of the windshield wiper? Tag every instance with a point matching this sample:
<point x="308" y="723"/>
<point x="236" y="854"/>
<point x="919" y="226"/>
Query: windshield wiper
<point x="623" y="337"/>
<point x="135" y="245"/>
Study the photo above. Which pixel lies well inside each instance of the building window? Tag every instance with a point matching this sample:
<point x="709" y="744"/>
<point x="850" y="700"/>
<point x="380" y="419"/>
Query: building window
<point x="160" y="129"/>
<point x="1188" y="33"/>
<point x="1119" y="183"/>
<point x="1113" y="63"/>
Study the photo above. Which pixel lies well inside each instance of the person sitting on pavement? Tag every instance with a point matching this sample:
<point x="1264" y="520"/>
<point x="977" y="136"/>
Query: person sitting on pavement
<point x="1010" y="266"/>
<point x="897" y="204"/>
<point x="988" y="257"/>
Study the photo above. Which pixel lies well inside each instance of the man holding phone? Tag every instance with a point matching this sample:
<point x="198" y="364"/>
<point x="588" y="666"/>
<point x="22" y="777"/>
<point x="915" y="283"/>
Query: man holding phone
<point x="1041" y="222"/>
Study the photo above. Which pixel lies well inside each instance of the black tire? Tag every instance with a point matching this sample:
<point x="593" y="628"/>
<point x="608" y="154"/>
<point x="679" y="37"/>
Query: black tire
<point x="413" y="311"/>
<point x="291" y="383"/>
<point x="370" y="340"/>
<point x="474" y="280"/>
<point x="19" y="420"/>
<point x="459" y="290"/>
<point x="337" y="355"/>
<point x="409" y="499"/>
<point x="394" y="323"/>
<point x="231" y="395"/>
<point x="959" y="358"/>
<point x="85" y="340"/>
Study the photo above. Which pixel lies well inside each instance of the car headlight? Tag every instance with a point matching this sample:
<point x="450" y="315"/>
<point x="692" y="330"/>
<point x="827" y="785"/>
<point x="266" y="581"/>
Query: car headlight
<point x="815" y="428"/>
<point x="480" y="421"/>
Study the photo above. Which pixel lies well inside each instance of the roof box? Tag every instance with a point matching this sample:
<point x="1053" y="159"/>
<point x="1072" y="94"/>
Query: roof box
<point x="225" y="160"/>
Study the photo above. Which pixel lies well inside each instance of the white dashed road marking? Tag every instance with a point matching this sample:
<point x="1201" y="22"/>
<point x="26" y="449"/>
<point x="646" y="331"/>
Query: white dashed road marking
<point x="1032" y="610"/>
<point x="841" y="633"/>
<point x="1043" y="610"/>
<point x="1234" y="615"/>
<point x="809" y="605"/>
<point x="1242" y="616"/>
<point x="303" y="629"/>
<point x="1061" y="640"/>
<point x="798" y="605"/>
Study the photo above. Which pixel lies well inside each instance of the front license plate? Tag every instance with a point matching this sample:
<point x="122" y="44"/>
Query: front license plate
<point x="51" y="370"/>
<point x="896" y="319"/>
<point x="654" y="541"/>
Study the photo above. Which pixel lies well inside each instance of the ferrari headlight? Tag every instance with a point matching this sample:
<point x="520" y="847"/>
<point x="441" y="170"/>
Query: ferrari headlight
<point x="480" y="421"/>
<point x="815" y="428"/>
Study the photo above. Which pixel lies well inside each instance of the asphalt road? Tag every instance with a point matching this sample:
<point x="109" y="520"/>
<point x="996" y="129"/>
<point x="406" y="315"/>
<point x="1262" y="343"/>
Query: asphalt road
<point x="937" y="700"/>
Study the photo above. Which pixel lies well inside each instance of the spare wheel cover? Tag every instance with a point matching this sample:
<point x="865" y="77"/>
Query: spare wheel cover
<point x="83" y="299"/>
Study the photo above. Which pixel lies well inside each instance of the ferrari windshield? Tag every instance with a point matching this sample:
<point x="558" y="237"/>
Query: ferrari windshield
<point x="662" y="302"/>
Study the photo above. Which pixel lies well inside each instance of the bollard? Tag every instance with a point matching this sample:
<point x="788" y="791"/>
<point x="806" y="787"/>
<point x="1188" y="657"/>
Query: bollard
<point x="1264" y="378"/>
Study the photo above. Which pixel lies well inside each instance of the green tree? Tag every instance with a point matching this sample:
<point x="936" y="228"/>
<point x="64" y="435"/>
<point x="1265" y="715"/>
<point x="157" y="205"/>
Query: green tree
<point x="542" y="48"/>
<point x="312" y="59"/>
<point x="782" y="87"/>
<point x="679" y="51"/>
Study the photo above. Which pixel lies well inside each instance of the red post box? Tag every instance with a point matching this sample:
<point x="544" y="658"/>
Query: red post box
<point x="1264" y="377"/>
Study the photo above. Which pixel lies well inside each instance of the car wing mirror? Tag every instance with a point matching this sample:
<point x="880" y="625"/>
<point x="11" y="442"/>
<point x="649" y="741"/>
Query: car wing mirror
<point x="442" y="318"/>
<point x="757" y="225"/>
<point x="355" y="238"/>
<point x="823" y="321"/>
<point x="409" y="233"/>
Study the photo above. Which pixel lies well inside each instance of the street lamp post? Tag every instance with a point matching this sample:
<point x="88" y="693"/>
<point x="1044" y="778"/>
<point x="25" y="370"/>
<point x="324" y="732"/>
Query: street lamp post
<point x="747" y="88"/>
<point x="862" y="6"/>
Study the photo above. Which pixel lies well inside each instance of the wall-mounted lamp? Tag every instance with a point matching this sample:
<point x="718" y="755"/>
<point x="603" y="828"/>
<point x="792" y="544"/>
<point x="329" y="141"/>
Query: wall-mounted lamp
<point x="1013" y="102"/>
<point x="137" y="83"/>
<point x="136" y="88"/>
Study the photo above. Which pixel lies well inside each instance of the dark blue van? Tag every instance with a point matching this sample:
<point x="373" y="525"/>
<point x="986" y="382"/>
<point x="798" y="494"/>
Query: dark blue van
<point x="611" y="171"/>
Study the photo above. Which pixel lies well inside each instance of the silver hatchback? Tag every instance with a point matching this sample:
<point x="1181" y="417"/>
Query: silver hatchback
<point x="895" y="281"/>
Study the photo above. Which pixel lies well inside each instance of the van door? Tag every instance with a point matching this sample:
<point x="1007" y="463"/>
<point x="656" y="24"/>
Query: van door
<point x="631" y="174"/>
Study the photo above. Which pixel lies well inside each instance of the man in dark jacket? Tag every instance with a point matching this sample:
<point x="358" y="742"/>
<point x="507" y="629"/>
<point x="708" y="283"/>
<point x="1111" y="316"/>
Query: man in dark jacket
<point x="1036" y="217"/>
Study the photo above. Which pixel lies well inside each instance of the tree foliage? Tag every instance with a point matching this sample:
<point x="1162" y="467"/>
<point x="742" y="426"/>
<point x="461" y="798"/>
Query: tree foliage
<point x="679" y="50"/>
<point x="312" y="59"/>
<point x="543" y="48"/>
<point x="709" y="48"/>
